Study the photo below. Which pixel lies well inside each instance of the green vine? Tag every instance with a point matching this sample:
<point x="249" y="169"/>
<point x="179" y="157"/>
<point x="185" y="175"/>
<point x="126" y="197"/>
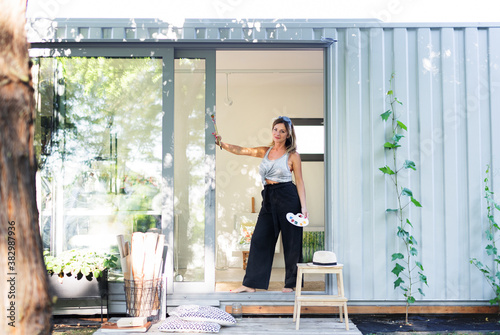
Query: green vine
<point x="406" y="264"/>
<point x="492" y="275"/>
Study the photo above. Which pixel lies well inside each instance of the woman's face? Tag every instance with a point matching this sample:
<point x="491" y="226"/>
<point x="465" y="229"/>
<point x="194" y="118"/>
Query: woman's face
<point x="280" y="133"/>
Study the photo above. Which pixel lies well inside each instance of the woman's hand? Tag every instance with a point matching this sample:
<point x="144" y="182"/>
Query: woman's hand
<point x="299" y="182"/>
<point x="218" y="140"/>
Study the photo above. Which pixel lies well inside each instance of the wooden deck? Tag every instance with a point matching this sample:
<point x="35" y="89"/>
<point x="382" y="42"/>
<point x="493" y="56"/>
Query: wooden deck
<point x="275" y="326"/>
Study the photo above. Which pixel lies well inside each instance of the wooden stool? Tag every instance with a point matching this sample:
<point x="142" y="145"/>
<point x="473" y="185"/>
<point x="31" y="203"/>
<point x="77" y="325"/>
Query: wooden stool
<point x="320" y="300"/>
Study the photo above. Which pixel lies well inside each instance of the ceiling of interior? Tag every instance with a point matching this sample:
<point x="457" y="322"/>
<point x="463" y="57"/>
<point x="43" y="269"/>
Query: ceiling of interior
<point x="276" y="66"/>
<point x="279" y="60"/>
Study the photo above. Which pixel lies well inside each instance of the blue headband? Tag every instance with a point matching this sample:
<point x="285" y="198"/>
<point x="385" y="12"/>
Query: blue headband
<point x="287" y="120"/>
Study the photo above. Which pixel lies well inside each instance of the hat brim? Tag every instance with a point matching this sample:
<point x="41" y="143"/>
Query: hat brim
<point x="322" y="264"/>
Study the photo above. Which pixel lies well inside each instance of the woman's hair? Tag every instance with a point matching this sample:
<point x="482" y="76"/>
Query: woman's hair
<point x="291" y="142"/>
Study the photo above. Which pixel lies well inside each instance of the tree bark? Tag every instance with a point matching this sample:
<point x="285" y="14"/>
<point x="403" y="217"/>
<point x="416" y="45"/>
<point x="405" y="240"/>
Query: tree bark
<point x="25" y="307"/>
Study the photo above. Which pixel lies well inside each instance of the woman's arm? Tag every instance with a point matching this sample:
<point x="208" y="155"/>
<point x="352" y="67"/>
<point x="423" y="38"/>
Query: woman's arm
<point x="299" y="181"/>
<point x="237" y="150"/>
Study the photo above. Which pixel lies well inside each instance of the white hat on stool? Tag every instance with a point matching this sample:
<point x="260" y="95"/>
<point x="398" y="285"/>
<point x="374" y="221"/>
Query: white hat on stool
<point x="324" y="258"/>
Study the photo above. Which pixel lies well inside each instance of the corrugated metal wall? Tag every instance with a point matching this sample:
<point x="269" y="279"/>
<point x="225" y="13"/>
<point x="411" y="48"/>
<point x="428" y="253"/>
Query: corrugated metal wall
<point x="448" y="80"/>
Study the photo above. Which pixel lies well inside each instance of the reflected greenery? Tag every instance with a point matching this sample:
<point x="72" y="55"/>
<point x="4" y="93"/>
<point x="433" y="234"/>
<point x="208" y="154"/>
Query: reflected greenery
<point x="190" y="169"/>
<point x="98" y="141"/>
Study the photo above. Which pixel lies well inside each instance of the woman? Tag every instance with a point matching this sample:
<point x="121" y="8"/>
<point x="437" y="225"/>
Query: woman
<point x="279" y="197"/>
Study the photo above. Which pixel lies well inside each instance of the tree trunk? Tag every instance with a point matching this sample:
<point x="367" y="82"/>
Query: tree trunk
<point x="25" y="307"/>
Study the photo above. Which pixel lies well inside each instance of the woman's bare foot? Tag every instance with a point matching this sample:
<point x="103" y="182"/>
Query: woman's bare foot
<point x="242" y="289"/>
<point x="287" y="290"/>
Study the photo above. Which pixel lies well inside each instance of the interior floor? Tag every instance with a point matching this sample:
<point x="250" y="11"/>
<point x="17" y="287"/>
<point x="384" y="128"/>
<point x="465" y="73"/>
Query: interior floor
<point x="230" y="279"/>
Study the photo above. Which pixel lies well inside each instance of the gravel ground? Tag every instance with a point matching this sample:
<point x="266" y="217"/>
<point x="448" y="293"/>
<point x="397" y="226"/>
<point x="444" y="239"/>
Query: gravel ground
<point x="428" y="323"/>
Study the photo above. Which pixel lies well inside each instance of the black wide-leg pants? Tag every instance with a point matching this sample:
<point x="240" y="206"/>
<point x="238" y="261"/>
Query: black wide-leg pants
<point x="277" y="201"/>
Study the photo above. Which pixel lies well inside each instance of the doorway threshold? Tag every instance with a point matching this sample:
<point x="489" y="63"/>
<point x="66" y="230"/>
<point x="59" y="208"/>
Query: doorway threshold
<point x="226" y="299"/>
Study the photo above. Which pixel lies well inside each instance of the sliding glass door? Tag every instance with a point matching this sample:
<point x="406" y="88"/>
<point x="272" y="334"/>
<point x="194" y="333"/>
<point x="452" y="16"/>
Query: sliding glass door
<point x="194" y="172"/>
<point x="124" y="144"/>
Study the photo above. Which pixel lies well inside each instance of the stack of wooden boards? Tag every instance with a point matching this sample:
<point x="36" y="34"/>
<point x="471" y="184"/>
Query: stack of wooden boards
<point x="143" y="258"/>
<point x="142" y="265"/>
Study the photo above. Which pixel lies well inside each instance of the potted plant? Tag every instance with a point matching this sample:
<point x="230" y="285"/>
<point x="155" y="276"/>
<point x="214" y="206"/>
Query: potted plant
<point x="78" y="273"/>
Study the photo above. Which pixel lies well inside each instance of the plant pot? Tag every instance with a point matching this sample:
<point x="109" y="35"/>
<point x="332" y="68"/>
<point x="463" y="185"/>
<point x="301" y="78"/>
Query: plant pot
<point x="73" y="288"/>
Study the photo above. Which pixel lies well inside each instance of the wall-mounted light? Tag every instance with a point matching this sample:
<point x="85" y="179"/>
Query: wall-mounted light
<point x="228" y="101"/>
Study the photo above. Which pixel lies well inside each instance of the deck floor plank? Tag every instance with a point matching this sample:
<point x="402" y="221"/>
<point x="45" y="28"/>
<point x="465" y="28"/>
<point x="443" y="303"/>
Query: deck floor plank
<point x="275" y="326"/>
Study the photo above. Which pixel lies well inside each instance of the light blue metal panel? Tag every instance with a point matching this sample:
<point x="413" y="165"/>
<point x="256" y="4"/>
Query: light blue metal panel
<point x="188" y="33"/>
<point x="431" y="195"/>
<point x="452" y="163"/>
<point x="381" y="285"/>
<point x="235" y="33"/>
<point x="259" y="33"/>
<point x="366" y="166"/>
<point x="494" y="84"/>
<point x="475" y="164"/>
<point x="484" y="117"/>
<point x="248" y="34"/>
<point x="390" y="194"/>
<point x="438" y="247"/>
<point x="331" y="150"/>
<point x="95" y="32"/>
<point x="428" y="149"/>
<point x="336" y="168"/>
<point x="403" y="112"/>
<point x="212" y="33"/>
<point x="292" y="33"/>
<point x="462" y="206"/>
<point x="353" y="126"/>
<point x="142" y="33"/>
<point x="438" y="165"/>
<point x="118" y="33"/>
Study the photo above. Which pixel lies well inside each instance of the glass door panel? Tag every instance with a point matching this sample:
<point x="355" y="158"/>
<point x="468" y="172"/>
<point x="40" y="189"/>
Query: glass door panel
<point x="189" y="170"/>
<point x="99" y="146"/>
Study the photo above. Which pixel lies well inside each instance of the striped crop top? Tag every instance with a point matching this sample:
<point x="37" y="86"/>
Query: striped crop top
<point x="276" y="170"/>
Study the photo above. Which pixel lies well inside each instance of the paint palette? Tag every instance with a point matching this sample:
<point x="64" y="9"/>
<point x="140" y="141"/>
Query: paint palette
<point x="298" y="219"/>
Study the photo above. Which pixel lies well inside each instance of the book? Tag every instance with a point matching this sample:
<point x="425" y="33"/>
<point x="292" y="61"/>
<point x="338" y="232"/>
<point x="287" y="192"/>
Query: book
<point x="112" y="327"/>
<point x="132" y="321"/>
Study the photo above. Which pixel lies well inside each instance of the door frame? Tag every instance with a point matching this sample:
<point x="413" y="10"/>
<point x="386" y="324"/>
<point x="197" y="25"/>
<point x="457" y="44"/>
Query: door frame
<point x="168" y="52"/>
<point x="168" y="226"/>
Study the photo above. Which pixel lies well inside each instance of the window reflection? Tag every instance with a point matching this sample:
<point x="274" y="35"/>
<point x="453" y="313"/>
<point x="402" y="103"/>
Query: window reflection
<point x="98" y="141"/>
<point x="190" y="170"/>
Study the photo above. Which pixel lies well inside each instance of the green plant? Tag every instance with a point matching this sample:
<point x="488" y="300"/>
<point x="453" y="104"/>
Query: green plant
<point x="80" y="331"/>
<point x="492" y="275"/>
<point x="79" y="263"/>
<point x="406" y="264"/>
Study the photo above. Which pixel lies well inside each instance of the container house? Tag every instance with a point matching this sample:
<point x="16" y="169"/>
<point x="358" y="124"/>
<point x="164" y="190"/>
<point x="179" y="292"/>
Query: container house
<point x="124" y="142"/>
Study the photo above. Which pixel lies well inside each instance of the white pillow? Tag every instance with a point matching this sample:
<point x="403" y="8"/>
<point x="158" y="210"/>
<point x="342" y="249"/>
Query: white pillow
<point x="203" y="313"/>
<point x="174" y="324"/>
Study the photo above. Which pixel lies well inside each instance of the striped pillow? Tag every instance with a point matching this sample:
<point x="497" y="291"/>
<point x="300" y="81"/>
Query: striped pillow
<point x="203" y="313"/>
<point x="174" y="324"/>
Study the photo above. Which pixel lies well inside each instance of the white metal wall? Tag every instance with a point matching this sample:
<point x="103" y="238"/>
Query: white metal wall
<point x="448" y="80"/>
